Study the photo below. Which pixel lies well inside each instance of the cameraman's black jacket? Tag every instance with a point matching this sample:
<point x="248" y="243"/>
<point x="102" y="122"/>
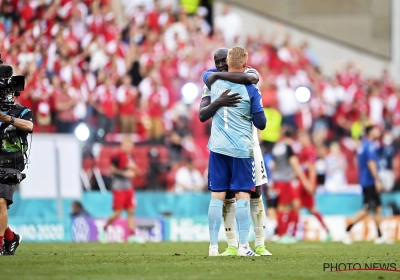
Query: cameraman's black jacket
<point x="14" y="143"/>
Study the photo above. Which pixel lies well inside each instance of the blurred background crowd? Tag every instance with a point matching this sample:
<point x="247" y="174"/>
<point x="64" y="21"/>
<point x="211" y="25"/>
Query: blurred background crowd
<point x="122" y="67"/>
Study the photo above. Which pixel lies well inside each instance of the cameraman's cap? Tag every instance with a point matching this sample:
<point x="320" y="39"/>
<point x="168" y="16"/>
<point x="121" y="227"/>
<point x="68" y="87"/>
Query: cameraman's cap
<point x="6" y="71"/>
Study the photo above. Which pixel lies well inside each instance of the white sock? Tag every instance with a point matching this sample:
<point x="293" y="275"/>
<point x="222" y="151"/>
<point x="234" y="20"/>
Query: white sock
<point x="271" y="230"/>
<point x="258" y="216"/>
<point x="228" y="215"/>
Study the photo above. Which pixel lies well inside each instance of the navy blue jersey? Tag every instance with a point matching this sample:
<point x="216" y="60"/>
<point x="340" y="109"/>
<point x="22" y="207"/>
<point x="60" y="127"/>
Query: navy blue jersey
<point x="366" y="152"/>
<point x="386" y="156"/>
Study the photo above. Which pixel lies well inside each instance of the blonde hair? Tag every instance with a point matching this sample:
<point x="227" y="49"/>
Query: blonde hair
<point x="237" y="56"/>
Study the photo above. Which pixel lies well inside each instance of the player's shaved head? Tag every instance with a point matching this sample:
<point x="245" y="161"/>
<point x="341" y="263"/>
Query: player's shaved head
<point x="221" y="52"/>
<point x="220" y="59"/>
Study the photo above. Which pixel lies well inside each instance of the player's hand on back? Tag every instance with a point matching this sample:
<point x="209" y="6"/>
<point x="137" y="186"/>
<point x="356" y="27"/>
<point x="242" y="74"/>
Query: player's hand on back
<point x="229" y="100"/>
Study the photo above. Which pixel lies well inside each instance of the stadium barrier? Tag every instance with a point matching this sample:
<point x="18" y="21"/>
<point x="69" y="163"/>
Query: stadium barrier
<point x="85" y="229"/>
<point x="160" y="204"/>
<point x="183" y="217"/>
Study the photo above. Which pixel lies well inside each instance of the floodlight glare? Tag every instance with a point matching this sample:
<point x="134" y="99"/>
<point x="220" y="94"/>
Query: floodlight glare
<point x="189" y="92"/>
<point x="82" y="132"/>
<point x="302" y="94"/>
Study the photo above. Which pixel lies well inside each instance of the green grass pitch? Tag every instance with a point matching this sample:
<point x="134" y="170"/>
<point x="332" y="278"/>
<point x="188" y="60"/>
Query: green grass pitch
<point x="303" y="260"/>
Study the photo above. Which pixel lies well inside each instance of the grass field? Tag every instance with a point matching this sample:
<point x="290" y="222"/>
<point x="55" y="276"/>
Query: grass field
<point x="189" y="261"/>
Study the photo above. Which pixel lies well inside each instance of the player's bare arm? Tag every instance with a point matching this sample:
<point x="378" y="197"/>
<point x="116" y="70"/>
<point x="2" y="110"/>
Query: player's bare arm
<point x="396" y="163"/>
<point x="135" y="169"/>
<point x="208" y="109"/>
<point x="294" y="162"/>
<point x="116" y="171"/>
<point x="23" y="125"/>
<point x="126" y="173"/>
<point x="234" y="77"/>
<point x="312" y="171"/>
<point x="374" y="172"/>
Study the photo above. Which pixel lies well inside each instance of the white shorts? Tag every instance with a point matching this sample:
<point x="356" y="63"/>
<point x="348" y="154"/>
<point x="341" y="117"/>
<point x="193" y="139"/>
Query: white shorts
<point x="261" y="174"/>
<point x="387" y="178"/>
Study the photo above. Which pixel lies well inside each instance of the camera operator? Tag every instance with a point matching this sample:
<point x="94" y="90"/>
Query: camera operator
<point x="16" y="121"/>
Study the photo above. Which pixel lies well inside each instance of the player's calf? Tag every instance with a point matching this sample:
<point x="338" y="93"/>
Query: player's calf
<point x="214" y="222"/>
<point x="229" y="211"/>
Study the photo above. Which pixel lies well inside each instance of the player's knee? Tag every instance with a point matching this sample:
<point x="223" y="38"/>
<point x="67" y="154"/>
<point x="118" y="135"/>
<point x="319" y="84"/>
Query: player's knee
<point x="242" y="195"/>
<point x="218" y="195"/>
<point x="257" y="193"/>
<point x="3" y="205"/>
<point x="118" y="213"/>
<point x="378" y="211"/>
<point x="364" y="212"/>
<point x="371" y="207"/>
<point x="271" y="213"/>
<point x="130" y="212"/>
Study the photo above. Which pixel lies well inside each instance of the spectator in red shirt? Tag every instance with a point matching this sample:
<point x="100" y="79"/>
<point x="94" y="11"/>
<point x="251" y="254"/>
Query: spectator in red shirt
<point x="126" y="96"/>
<point x="153" y="15"/>
<point x="42" y="98"/>
<point x="26" y="13"/>
<point x="65" y="104"/>
<point x="345" y="116"/>
<point x="103" y="100"/>
<point x="157" y="104"/>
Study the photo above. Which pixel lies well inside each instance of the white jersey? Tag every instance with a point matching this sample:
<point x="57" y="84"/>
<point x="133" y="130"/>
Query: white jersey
<point x="255" y="133"/>
<point x="256" y="142"/>
<point x="261" y="174"/>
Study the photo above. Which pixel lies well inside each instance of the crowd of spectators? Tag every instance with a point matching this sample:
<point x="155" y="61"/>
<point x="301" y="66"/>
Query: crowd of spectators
<point x="82" y="64"/>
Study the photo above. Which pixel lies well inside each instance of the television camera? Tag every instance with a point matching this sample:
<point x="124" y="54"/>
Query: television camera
<point x="10" y="86"/>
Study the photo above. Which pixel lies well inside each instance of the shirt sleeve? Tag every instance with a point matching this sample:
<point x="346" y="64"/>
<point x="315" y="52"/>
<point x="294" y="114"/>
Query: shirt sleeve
<point x="255" y="99"/>
<point x="311" y="156"/>
<point x="250" y="70"/>
<point x="290" y="152"/>
<point x="207" y="74"/>
<point x="259" y="120"/>
<point x="27" y="115"/>
<point x="206" y="92"/>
